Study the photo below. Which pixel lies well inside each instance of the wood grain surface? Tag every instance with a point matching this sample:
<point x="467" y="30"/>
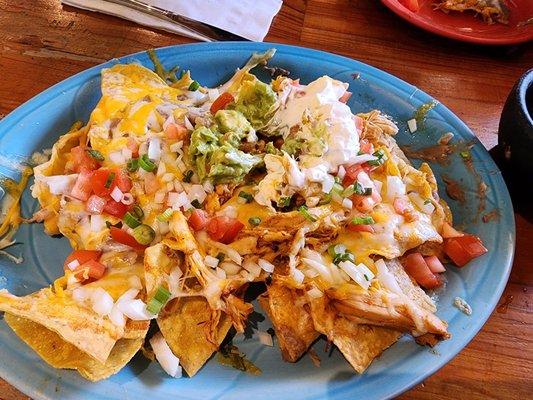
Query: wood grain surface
<point x="42" y="42"/>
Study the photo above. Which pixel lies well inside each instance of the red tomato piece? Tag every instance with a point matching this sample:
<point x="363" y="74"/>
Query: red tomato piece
<point x="150" y="183"/>
<point x="99" y="179"/>
<point x="345" y="97"/>
<point x="351" y="174"/>
<point x="221" y="102"/>
<point x="115" y="208"/>
<point x="366" y="147"/>
<point x="366" y="203"/>
<point x="411" y="5"/>
<point x="121" y="236"/>
<point x="134" y="147"/>
<point x="462" y="249"/>
<point x="82" y="187"/>
<point x="416" y="267"/>
<point x="176" y="131"/>
<point x="224" y="229"/>
<point x="358" y="123"/>
<point x="123" y="181"/>
<point x="82" y="256"/>
<point x="198" y="220"/>
<point x="80" y="159"/>
<point x="360" y="228"/>
<point x="95" y="204"/>
<point x="434" y="264"/>
<point x="449" y="231"/>
<point x="92" y="269"/>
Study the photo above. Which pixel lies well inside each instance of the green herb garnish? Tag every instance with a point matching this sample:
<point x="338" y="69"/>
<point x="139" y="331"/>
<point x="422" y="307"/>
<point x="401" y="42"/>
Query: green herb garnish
<point x="131" y="220"/>
<point x="381" y="158"/>
<point x="157" y="302"/>
<point x="254" y="221"/>
<point x="362" y="221"/>
<point x="194" y="86"/>
<point x="109" y="180"/>
<point x="246" y="196"/>
<point x="132" y="165"/>
<point x="95" y="154"/>
<point x="144" y="234"/>
<point x="165" y="215"/>
<point x="305" y="212"/>
<point x="146" y="164"/>
<point x="284" y="201"/>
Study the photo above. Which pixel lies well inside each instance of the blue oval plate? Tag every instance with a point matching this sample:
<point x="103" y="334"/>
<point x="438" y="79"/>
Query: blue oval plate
<point x="38" y="123"/>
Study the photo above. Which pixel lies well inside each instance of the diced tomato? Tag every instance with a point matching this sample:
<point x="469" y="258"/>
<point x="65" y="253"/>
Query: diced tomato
<point x="82" y="256"/>
<point x="198" y="220"/>
<point x="115" y="208"/>
<point x="462" y="249"/>
<point x="221" y="102"/>
<point x="345" y="97"/>
<point x="134" y="147"/>
<point x="416" y="267"/>
<point x="366" y="147"/>
<point x="434" y="264"/>
<point x="99" y="179"/>
<point x="150" y="183"/>
<point x="224" y="229"/>
<point x="123" y="181"/>
<point x="411" y="5"/>
<point x="351" y="174"/>
<point x="360" y="228"/>
<point x="82" y="187"/>
<point x="176" y="131"/>
<point x="449" y="231"/>
<point x="358" y="123"/>
<point x="95" y="204"/>
<point x="80" y="159"/>
<point x="121" y="236"/>
<point x="366" y="203"/>
<point x="90" y="270"/>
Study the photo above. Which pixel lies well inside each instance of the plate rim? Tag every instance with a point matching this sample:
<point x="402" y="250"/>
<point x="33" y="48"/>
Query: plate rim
<point x="12" y="118"/>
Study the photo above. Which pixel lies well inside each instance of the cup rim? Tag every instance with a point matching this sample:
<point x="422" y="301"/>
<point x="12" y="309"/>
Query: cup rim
<point x="526" y="83"/>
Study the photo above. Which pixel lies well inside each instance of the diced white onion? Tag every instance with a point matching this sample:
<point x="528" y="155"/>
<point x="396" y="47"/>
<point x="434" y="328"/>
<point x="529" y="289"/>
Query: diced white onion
<point x="59" y="184"/>
<point x="252" y="268"/>
<point x="102" y="302"/>
<point x="197" y="192"/>
<point x="297" y="275"/>
<point x="265" y="338"/>
<point x="228" y="211"/>
<point x="327" y="183"/>
<point x="365" y="180"/>
<point x="386" y="278"/>
<point x="154" y="149"/>
<point x="167" y="177"/>
<point x="168" y="361"/>
<point x="232" y="254"/>
<point x="135" y="310"/>
<point x="135" y="283"/>
<point x="129" y="294"/>
<point x="81" y="294"/>
<point x="127" y="199"/>
<point x="347" y="203"/>
<point x="208" y="186"/>
<point x="378" y="185"/>
<point x="174" y="280"/>
<point x="341" y="173"/>
<point x="395" y="188"/>
<point x="356" y="273"/>
<point x="117" y="157"/>
<point x="116" y="194"/>
<point x="73" y="265"/>
<point x="175" y="147"/>
<point x="230" y="267"/>
<point x="213" y="94"/>
<point x="117" y="317"/>
<point x="161" y="169"/>
<point x="97" y="223"/>
<point x="265" y="265"/>
<point x="178" y="200"/>
<point x="314" y="293"/>
<point x="322" y="270"/>
<point x="211" y="261"/>
<point x="412" y="125"/>
<point x="127" y="153"/>
<point x="221" y="273"/>
<point x="159" y="196"/>
<point x="188" y="124"/>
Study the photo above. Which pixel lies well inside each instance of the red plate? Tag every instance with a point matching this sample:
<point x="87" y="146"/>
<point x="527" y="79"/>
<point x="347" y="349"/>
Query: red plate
<point x="468" y="28"/>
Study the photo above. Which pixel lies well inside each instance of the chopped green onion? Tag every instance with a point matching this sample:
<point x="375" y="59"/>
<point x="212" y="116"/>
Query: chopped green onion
<point x="358" y="189"/>
<point x="381" y="158"/>
<point x="187" y="176"/>
<point x="196" y="203"/>
<point x="331" y="251"/>
<point x="305" y="212"/>
<point x="427" y="201"/>
<point x="165" y="216"/>
<point x="337" y="188"/>
<point x="131" y="220"/>
<point x="132" y="165"/>
<point x="220" y="257"/>
<point x="465" y="154"/>
<point x="138" y="211"/>
<point x="284" y="201"/>
<point x="367" y="192"/>
<point x="146" y="164"/>
<point x="246" y="196"/>
<point x="254" y="221"/>
<point x="95" y="154"/>
<point x="144" y="234"/>
<point x="109" y="180"/>
<point x="346" y="256"/>
<point x="348" y="191"/>
<point x="157" y="302"/>
<point x="326" y="199"/>
<point x="366" y="277"/>
<point x="362" y="221"/>
<point x="194" y="86"/>
<point x="337" y="179"/>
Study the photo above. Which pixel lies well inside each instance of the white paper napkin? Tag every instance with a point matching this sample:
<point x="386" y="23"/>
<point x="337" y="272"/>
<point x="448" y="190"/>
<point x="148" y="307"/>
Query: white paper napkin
<point x="250" y="19"/>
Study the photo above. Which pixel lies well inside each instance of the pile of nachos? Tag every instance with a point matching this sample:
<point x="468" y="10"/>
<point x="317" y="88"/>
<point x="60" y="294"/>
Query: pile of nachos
<point x="178" y="198"/>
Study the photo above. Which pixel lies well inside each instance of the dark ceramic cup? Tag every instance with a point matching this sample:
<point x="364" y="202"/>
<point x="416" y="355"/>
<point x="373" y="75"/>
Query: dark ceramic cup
<point x="514" y="153"/>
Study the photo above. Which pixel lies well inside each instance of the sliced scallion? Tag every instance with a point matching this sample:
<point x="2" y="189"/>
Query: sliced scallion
<point x="220" y="257"/>
<point x="132" y="165"/>
<point x="187" y="176"/>
<point x="284" y="201"/>
<point x="131" y="220"/>
<point x="246" y="196"/>
<point x="305" y="212"/>
<point x="254" y="221"/>
<point x="194" y="86"/>
<point x="157" y="302"/>
<point x="196" y="203"/>
<point x="109" y="180"/>
<point x="165" y="216"/>
<point x="146" y="164"/>
<point x="381" y="158"/>
<point x="138" y="211"/>
<point x="95" y="154"/>
<point x="362" y="221"/>
<point x="144" y="234"/>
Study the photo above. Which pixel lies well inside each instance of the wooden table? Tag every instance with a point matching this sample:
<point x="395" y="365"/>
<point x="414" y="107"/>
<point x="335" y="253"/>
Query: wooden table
<point x="42" y="43"/>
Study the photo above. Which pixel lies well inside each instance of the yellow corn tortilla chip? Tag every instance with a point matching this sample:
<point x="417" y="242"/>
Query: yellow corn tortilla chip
<point x="79" y="326"/>
<point x="359" y="344"/>
<point x="54" y="350"/>
<point x="158" y="262"/>
<point x="184" y="323"/>
<point x="292" y="322"/>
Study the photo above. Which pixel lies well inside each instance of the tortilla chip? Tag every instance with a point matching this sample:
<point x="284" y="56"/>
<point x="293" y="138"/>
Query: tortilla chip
<point x="359" y="344"/>
<point x="158" y="262"/>
<point x="292" y="322"/>
<point x="183" y="325"/>
<point x="79" y="326"/>
<point x="60" y="354"/>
